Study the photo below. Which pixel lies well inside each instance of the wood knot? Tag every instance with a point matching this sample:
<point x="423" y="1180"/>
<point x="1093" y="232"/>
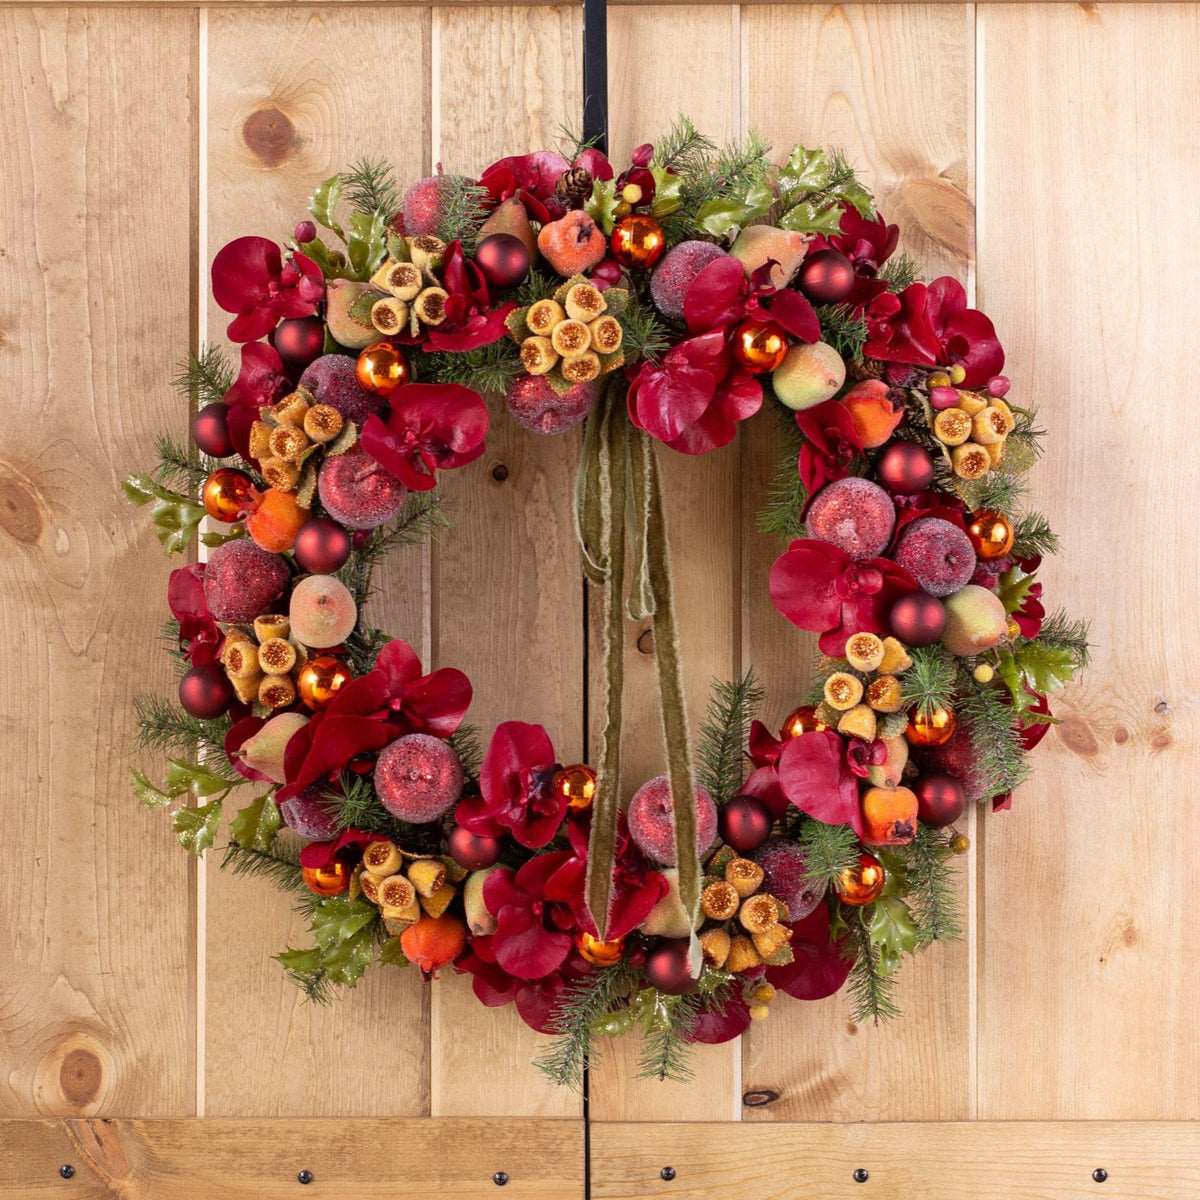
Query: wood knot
<point x="80" y="1076"/>
<point x="760" y="1097"/>
<point x="645" y="641"/>
<point x="1078" y="736"/>
<point x="943" y="211"/>
<point x="270" y="135"/>
<point x="1120" y="735"/>
<point x="20" y="514"/>
<point x="1162" y="740"/>
<point x="499" y="472"/>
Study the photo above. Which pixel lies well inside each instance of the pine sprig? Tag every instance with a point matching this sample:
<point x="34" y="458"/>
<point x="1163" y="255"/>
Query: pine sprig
<point x="370" y="187"/>
<point x="363" y="647"/>
<point x="732" y="171"/>
<point x="167" y="729"/>
<point x="572" y="143"/>
<point x="844" y="328"/>
<point x="1061" y="632"/>
<point x="204" y="378"/>
<point x="315" y="984"/>
<point x="900" y="272"/>
<point x="421" y="518"/>
<point x="667" y="1046"/>
<point x="872" y="992"/>
<point x="932" y="896"/>
<point x="999" y="757"/>
<point x="998" y="491"/>
<point x="1032" y="536"/>
<point x="828" y="851"/>
<point x="930" y="682"/>
<point x="682" y="148"/>
<point x="646" y="335"/>
<point x="721" y="742"/>
<point x="179" y="465"/>
<point x="358" y="807"/>
<point x="485" y="369"/>
<point x="280" y="864"/>
<point x="168" y="634"/>
<point x="462" y="210"/>
<point x="464" y="741"/>
<point x="782" y="511"/>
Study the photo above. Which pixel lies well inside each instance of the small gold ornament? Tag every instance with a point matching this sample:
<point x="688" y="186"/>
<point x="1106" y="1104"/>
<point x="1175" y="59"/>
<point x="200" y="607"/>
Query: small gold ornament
<point x="801" y="720"/>
<point x="330" y="880"/>
<point x="576" y="784"/>
<point x="759" y="345"/>
<point x="638" y="241"/>
<point x="319" y="680"/>
<point x="382" y="368"/>
<point x="991" y="534"/>
<point x="931" y="728"/>
<point x="228" y="495"/>
<point x="601" y="954"/>
<point x="861" y="883"/>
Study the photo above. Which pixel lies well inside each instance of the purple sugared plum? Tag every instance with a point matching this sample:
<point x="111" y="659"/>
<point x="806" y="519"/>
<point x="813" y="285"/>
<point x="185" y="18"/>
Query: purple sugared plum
<point x="784" y="868"/>
<point x="536" y="406"/>
<point x="855" y="515"/>
<point x="937" y="554"/>
<point x="651" y="815"/>
<point x="425" y="201"/>
<point x="674" y="275"/>
<point x="357" y="491"/>
<point x="418" y="778"/>
<point x="310" y="815"/>
<point x="242" y="581"/>
<point x="333" y="380"/>
<point x="957" y="757"/>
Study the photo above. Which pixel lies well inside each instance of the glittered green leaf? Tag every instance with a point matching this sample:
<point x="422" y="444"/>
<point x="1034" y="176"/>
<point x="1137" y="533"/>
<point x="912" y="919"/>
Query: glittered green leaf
<point x="174" y="515"/>
<point x="391" y="953"/>
<point x="1013" y="588"/>
<point x="255" y="826"/>
<point x="804" y="171"/>
<point x="301" y="961"/>
<point x="184" y="776"/>
<point x="893" y="931"/>
<point x="726" y="217"/>
<point x="346" y="962"/>
<point x="339" y="918"/>
<point x="196" y="827"/>
<point x="323" y="202"/>
<point x="147" y="793"/>
<point x="213" y="539"/>
<point x="601" y="205"/>
<point x="855" y="194"/>
<point x="361" y="305"/>
<point x="667" y="188"/>
<point x="344" y="440"/>
<point x="366" y="244"/>
<point x="812" y="217"/>
<point x="616" y="302"/>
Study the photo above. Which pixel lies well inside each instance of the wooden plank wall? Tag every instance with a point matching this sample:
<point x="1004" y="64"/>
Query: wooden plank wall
<point x="1043" y="153"/>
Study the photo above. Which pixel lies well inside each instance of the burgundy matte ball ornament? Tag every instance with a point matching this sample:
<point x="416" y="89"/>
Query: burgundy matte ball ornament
<point x="940" y="800"/>
<point x="205" y="691"/>
<point x="210" y="430"/>
<point x="503" y="259"/>
<point x="745" y="822"/>
<point x="918" y="619"/>
<point x="322" y="546"/>
<point x="299" y="341"/>
<point x="667" y="968"/>
<point x="826" y="277"/>
<point x="473" y="851"/>
<point x="905" y="468"/>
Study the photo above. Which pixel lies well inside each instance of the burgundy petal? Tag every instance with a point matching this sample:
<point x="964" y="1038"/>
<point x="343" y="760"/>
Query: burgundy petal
<point x="816" y="778"/>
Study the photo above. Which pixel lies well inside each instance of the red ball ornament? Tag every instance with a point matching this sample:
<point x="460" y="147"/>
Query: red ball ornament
<point x="382" y="368"/>
<point x="502" y="259"/>
<point x="472" y="850"/>
<point x="940" y="800"/>
<point x="299" y="341"/>
<point x="210" y="430"/>
<point x="638" y="241"/>
<point x="826" y="277"/>
<point x="745" y="822"/>
<point x="918" y="619"/>
<point x="759" y="345"/>
<point x="905" y="468"/>
<point x="322" y="546"/>
<point x="205" y="691"/>
<point x="668" y="969"/>
<point x="228" y="495"/>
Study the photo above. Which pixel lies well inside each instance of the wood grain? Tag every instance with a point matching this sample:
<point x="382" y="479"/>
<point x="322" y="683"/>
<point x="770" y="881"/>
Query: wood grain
<point x="292" y="99"/>
<point x="1085" y="938"/>
<point x="261" y="1159"/>
<point x="96" y="992"/>
<point x="930" y="1161"/>
<point x="507" y="592"/>
<point x="889" y="86"/>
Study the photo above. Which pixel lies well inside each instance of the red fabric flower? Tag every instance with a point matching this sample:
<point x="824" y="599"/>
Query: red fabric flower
<point x="250" y="278"/>
<point x="932" y="326"/>
<point x="515" y="779"/>
<point x="720" y="296"/>
<point x="819" y="965"/>
<point x="595" y="163"/>
<point x="816" y="777"/>
<point x="822" y="589"/>
<point x="536" y="999"/>
<point x="321" y="854"/>
<point x="260" y="381"/>
<point x="862" y="756"/>
<point x="531" y="177"/>
<point x="199" y="636"/>
<point x="831" y="444"/>
<point x="432" y="426"/>
<point x="1032" y="612"/>
<point x="534" y="934"/>
<point x="469" y="323"/>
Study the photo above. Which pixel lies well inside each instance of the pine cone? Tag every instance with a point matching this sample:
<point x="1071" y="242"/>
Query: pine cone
<point x="866" y="368"/>
<point x="574" y="187"/>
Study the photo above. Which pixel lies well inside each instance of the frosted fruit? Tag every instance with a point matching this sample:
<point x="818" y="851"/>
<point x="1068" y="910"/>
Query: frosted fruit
<point x="855" y="515"/>
<point x="322" y="612"/>
<point x="674" y="275"/>
<point x="242" y="581"/>
<point x="937" y="554"/>
<point x="357" y="491"/>
<point x="418" y="778"/>
<point x="975" y="620"/>
<point x="651" y="814"/>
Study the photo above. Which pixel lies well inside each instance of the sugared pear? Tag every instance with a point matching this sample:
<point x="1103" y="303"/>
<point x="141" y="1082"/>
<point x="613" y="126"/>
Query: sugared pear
<point x="668" y="918"/>
<point x="264" y="750"/>
<point x="347" y="331"/>
<point x="509" y="216"/>
<point x="481" y="921"/>
<point x="754" y="246"/>
<point x="322" y="612"/>
<point x="975" y="620"/>
<point x="809" y="375"/>
<point x="888" y="773"/>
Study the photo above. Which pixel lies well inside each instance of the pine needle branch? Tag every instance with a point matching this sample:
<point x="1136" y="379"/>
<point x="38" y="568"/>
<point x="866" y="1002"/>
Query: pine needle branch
<point x="721" y="742"/>
<point x="370" y="187"/>
<point x="782" y="511"/>
<point x="998" y="491"/>
<point x="464" y="741"/>
<point x="179" y="466"/>
<point x="1033" y="537"/>
<point x="486" y="369"/>
<point x="1000" y="758"/>
<point x="204" y="378"/>
<point x="900" y="272"/>
<point x="358" y="807"/>
<point x="572" y="143"/>
<point x="280" y="864"/>
<point x="421" y="518"/>
<point x="667" y="1046"/>
<point x="462" y="210"/>
<point x="682" y="148"/>
<point x="646" y="335"/>
<point x="932" y="897"/>
<point x="872" y="993"/>
<point x="844" y="328"/>
<point x="930" y="682"/>
<point x="828" y="851"/>
<point x="167" y="729"/>
<point x="316" y="986"/>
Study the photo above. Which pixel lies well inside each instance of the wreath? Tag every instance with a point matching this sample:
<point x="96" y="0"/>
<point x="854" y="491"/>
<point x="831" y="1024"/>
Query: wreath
<point x="663" y="302"/>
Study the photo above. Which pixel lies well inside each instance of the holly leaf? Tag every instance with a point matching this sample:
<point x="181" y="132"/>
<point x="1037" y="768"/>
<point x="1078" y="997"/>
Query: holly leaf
<point x="667" y="188"/>
<point x="196" y="827"/>
<point x="323" y="202"/>
<point x="811" y="217"/>
<point x="391" y="953"/>
<point x="360" y="306"/>
<point x="255" y="826"/>
<point x="184" y="776"/>
<point x="855" y="194"/>
<point x="174" y="515"/>
<point x="338" y="919"/>
<point x="367" y="243"/>
<point x="1045" y="668"/>
<point x="331" y="267"/>
<point x="220" y="539"/>
<point x="147" y="793"/>
<point x="601" y="205"/>
<point x="893" y="931"/>
<point x="804" y="171"/>
<point x="346" y="962"/>
<point x="303" y="962"/>
<point x="727" y="217"/>
<point x="1013" y="587"/>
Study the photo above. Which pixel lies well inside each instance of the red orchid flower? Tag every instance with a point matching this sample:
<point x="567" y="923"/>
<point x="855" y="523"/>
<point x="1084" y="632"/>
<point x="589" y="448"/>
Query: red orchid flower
<point x="261" y="381"/>
<point x="536" y="999"/>
<point x="868" y="244"/>
<point x="321" y="854"/>
<point x="862" y="756"/>
<point x="250" y="278"/>
<point x="816" y="777"/>
<point x="199" y="636"/>
<point x="820" y="588"/>
<point x="595" y="163"/>
<point x="637" y="886"/>
<point x="721" y="295"/>
<point x="431" y="426"/>
<point x="831" y="444"/>
<point x="531" y="177"/>
<point x="468" y="323"/>
<point x="931" y="325"/>
<point x="716" y="1025"/>
<point x="515" y="779"/>
<point x="1030" y="615"/>
<point x="819" y="964"/>
<point x="534" y="934"/>
<point x="929" y="503"/>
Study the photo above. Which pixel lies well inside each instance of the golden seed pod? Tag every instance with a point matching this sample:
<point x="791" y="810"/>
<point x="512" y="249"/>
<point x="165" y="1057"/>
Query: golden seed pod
<point x="441" y="900"/>
<point x="543" y="316"/>
<point x="382" y="858"/>
<point x="972" y="402"/>
<point x="758" y="913"/>
<point x="996" y="452"/>
<point x="289" y="443"/>
<point x="389" y="315"/>
<point x="396" y="892"/>
<point x="952" y="426"/>
<point x="858" y="722"/>
<point x="277" y="691"/>
<point x="843" y="690"/>
<point x="770" y="941"/>
<point x="864" y="651"/>
<point x="745" y="876"/>
<point x="246" y="687"/>
<point x="426" y="251"/>
<point x="240" y="658"/>
<point x="583" y="368"/>
<point x="715" y="946"/>
<point x="397" y="920"/>
<point x="989" y="427"/>
<point x="260" y="440"/>
<point x="370" y="886"/>
<point x="896" y="658"/>
<point x="402" y="280"/>
<point x="290" y="410"/>
<point x="279" y="473"/>
<point x="719" y="901"/>
<point x="271" y="625"/>
<point x="276" y="656"/>
<point x="570" y="338"/>
<point x="430" y="305"/>
<point x="742" y="956"/>
<point x="455" y="872"/>
<point x="537" y="355"/>
<point x="970" y="461"/>
<point x="607" y="335"/>
<point x="885" y="694"/>
<point x="1010" y="421"/>
<point x="427" y="875"/>
<point x="585" y="302"/>
<point x="323" y="423"/>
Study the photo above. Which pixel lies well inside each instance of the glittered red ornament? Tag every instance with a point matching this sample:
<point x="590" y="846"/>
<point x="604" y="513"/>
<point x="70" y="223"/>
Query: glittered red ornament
<point x="744" y="823"/>
<point x="418" y="777"/>
<point x="536" y="406"/>
<point x="826" y="277"/>
<point x="205" y="691"/>
<point x="299" y="341"/>
<point x="918" y="619"/>
<point x="940" y="800"/>
<point x="228" y="495"/>
<point x="472" y="850"/>
<point x="638" y="241"/>
<point x="904" y="468"/>
<point x="759" y="345"/>
<point x="210" y="430"/>
<point x="322" y="546"/>
<point x="503" y="260"/>
<point x="330" y="880"/>
<point x="382" y="368"/>
<point x="668" y="969"/>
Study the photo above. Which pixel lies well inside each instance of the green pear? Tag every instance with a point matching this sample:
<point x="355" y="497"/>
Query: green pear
<point x="754" y="246"/>
<point x="887" y="774"/>
<point x="481" y="921"/>
<point x="510" y="217"/>
<point x="348" y="331"/>
<point x="264" y="750"/>
<point x="809" y="375"/>
<point x="975" y="620"/>
<point x="668" y="918"/>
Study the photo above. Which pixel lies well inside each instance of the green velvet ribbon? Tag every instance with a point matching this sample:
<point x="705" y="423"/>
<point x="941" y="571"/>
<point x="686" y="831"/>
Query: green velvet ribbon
<point x="618" y="490"/>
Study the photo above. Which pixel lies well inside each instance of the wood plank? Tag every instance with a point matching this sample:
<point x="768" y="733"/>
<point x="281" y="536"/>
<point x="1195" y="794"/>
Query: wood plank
<point x="96" y="927"/>
<point x="888" y="85"/>
<point x="701" y="498"/>
<point x="507" y="591"/>
<point x="261" y="1159"/>
<point x="505" y="3"/>
<point x="903" y="1161"/>
<point x="293" y="99"/>
<point x="1085" y="938"/>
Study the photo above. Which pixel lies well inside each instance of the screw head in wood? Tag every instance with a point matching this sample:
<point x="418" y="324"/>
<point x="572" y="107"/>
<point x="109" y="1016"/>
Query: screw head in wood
<point x="500" y="1178"/>
<point x="66" y="1171"/>
<point x="668" y="1173"/>
<point x="305" y="1177"/>
<point x="861" y="1175"/>
<point x="1099" y="1174"/>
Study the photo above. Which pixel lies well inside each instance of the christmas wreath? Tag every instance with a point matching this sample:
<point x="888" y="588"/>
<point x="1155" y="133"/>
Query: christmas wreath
<point x="665" y="301"/>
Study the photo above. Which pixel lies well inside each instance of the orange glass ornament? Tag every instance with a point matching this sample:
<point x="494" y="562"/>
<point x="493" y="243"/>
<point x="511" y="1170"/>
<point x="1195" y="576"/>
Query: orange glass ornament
<point x="931" y="728"/>
<point x="382" y="368"/>
<point x="577" y="785"/>
<point x="330" y="880"/>
<point x="638" y="241"/>
<point x="759" y="345"/>
<point x="319" y="680"/>
<point x="801" y="720"/>
<point x="991" y="534"/>
<point x="861" y="883"/>
<point x="228" y="495"/>
<point x="602" y="954"/>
